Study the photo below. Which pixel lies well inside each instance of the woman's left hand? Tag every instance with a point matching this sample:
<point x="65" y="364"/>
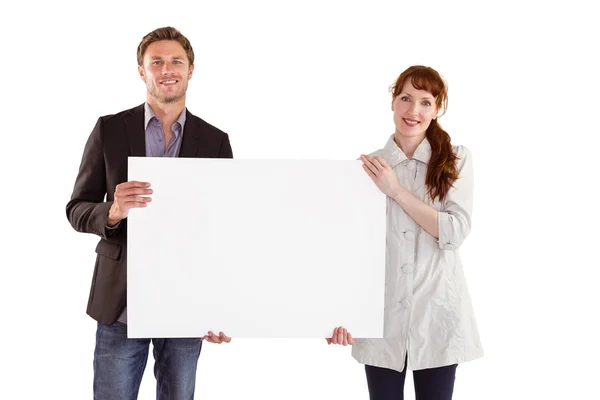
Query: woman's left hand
<point x="382" y="174"/>
<point x="340" y="336"/>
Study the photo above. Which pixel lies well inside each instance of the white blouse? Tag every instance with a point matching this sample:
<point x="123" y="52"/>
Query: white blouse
<point x="428" y="310"/>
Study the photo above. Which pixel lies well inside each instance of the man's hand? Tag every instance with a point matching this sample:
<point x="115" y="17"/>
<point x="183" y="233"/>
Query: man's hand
<point x="212" y="338"/>
<point x="128" y="195"/>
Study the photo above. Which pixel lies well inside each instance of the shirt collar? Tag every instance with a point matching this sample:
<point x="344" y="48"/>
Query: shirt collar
<point x="394" y="155"/>
<point x="149" y="114"/>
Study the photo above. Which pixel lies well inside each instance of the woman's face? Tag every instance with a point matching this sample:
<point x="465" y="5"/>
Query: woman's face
<point x="413" y="111"/>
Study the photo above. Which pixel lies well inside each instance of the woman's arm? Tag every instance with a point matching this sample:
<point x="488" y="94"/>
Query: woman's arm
<point x="450" y="225"/>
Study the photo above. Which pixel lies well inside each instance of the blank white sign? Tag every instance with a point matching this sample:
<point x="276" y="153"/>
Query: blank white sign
<point x="255" y="248"/>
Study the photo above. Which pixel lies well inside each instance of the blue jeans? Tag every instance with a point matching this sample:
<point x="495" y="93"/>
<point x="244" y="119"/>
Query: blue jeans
<point x="119" y="365"/>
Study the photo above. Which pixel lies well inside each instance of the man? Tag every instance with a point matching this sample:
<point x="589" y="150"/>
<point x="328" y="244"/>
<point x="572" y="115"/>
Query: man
<point x="161" y="127"/>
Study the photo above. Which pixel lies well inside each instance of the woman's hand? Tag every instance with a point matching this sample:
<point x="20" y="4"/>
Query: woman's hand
<point x="340" y="336"/>
<point x="212" y="338"/>
<point x="382" y="174"/>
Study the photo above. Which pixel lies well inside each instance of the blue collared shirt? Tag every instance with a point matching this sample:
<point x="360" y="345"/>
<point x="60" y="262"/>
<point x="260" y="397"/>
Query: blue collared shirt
<point x="155" y="137"/>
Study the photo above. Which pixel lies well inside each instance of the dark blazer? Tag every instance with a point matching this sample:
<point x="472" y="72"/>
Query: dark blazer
<point x="103" y="167"/>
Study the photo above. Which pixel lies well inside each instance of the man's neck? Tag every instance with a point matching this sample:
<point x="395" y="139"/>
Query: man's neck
<point x="168" y="113"/>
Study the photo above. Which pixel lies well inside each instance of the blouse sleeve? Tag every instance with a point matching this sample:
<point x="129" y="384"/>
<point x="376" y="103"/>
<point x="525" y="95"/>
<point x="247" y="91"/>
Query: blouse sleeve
<point x="454" y="219"/>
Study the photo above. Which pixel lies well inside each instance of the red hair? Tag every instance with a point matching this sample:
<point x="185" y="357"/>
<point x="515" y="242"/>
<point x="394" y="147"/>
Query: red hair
<point x="442" y="170"/>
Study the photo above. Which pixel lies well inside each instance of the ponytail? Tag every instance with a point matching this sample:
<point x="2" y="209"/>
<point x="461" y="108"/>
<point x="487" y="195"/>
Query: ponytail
<point x="442" y="170"/>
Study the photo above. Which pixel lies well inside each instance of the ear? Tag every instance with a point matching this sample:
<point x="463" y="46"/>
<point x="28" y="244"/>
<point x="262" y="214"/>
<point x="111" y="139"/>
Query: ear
<point x="393" y="99"/>
<point x="191" y="71"/>
<point x="141" y="72"/>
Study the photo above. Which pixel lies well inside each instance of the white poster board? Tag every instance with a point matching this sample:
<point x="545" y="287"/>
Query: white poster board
<point x="255" y="248"/>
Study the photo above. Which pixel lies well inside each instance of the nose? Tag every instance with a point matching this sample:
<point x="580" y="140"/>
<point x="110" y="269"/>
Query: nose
<point x="413" y="110"/>
<point x="167" y="68"/>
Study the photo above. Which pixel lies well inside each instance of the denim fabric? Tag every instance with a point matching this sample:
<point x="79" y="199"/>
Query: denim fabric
<point x="119" y="365"/>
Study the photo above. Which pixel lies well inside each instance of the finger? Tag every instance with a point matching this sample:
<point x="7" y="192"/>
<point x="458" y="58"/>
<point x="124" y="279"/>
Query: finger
<point x="131" y="184"/>
<point x="126" y="205"/>
<point x="216" y="339"/>
<point x="377" y="162"/>
<point x="370" y="167"/>
<point x="136" y="205"/>
<point x="369" y="172"/>
<point x="328" y="340"/>
<point x="370" y="159"/>
<point x="345" y="336"/>
<point x="334" y="336"/>
<point x="224" y="337"/>
<point x="350" y="339"/>
<point x="133" y="192"/>
<point x="382" y="161"/>
<point x="340" y="337"/>
<point x="131" y="202"/>
<point x="135" y="199"/>
<point x="369" y="163"/>
<point x="366" y="159"/>
<point x="128" y="187"/>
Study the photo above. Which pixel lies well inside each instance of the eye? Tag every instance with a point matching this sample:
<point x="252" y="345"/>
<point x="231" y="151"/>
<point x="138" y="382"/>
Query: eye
<point x="156" y="62"/>
<point x="404" y="98"/>
<point x="177" y="62"/>
<point x="426" y="103"/>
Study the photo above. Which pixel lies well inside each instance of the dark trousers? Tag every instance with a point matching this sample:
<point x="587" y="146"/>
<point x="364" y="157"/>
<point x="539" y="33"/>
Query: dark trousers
<point x="430" y="384"/>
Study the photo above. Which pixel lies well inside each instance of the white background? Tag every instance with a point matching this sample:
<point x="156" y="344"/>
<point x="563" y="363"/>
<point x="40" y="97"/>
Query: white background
<point x="309" y="80"/>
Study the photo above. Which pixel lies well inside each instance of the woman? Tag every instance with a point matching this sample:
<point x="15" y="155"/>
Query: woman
<point x="429" y="323"/>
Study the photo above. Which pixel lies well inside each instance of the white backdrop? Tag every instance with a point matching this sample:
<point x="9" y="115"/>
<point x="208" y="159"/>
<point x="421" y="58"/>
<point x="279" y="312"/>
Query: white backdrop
<point x="309" y="79"/>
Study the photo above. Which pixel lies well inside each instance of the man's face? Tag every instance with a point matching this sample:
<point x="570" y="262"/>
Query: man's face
<point x="166" y="71"/>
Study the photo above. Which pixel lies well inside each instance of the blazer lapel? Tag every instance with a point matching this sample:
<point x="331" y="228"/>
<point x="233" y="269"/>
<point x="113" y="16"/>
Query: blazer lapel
<point x="190" y="146"/>
<point x="192" y="134"/>
<point x="134" y="127"/>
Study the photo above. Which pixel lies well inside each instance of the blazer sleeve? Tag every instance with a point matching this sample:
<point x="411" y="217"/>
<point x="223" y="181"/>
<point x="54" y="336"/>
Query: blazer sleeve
<point x="225" y="150"/>
<point x="454" y="220"/>
<point x="87" y="211"/>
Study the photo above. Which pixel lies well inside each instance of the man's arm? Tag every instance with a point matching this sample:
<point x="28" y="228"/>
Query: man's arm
<point x="87" y="211"/>
<point x="225" y="150"/>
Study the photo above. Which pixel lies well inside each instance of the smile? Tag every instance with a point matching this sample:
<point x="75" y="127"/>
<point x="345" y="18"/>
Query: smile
<point x="169" y="82"/>
<point x="410" y="122"/>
